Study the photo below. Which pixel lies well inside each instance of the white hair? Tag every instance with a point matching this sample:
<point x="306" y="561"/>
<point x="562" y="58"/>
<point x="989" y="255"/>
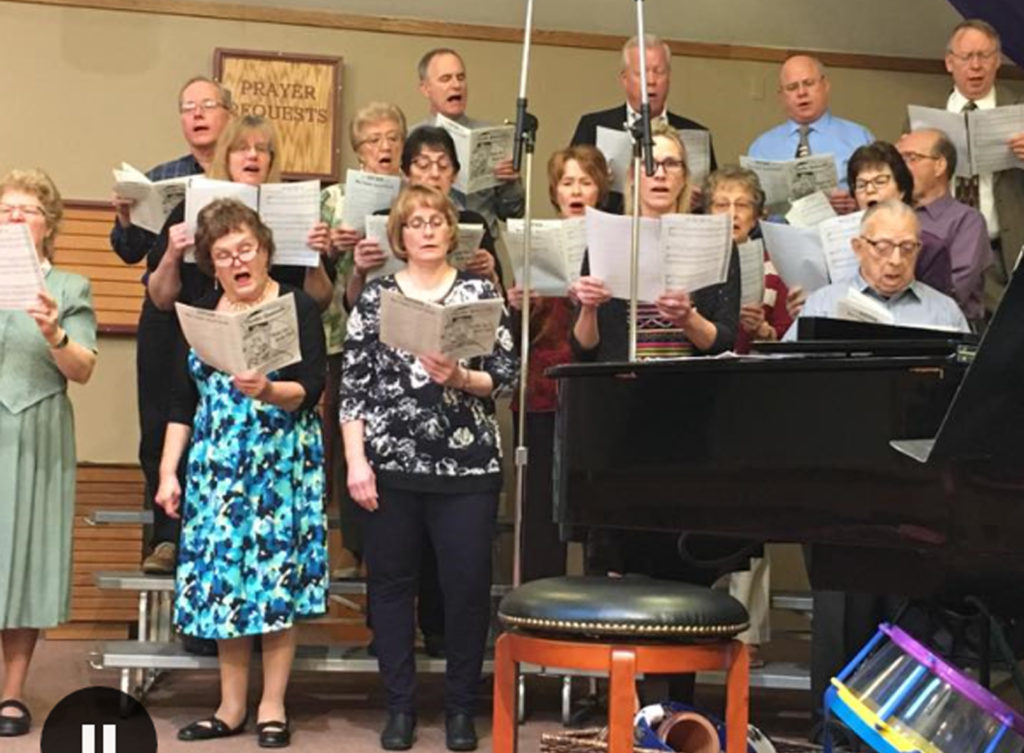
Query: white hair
<point x="650" y="40"/>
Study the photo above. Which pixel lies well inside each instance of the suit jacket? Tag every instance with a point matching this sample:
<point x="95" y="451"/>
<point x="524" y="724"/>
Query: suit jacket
<point x="1008" y="192"/>
<point x="615" y="119"/>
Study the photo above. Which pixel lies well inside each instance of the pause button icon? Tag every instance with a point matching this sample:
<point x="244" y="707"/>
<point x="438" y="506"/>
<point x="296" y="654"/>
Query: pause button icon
<point x="109" y="738"/>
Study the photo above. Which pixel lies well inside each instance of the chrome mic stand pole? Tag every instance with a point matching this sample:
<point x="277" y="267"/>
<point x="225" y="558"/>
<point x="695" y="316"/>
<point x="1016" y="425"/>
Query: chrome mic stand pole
<point x="643" y="145"/>
<point x="525" y="140"/>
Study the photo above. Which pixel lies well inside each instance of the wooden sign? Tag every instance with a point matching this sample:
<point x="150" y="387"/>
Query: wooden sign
<point x="301" y="94"/>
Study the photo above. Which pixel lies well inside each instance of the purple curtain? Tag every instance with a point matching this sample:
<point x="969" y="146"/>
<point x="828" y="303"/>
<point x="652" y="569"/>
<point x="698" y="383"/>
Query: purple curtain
<point x="1008" y="18"/>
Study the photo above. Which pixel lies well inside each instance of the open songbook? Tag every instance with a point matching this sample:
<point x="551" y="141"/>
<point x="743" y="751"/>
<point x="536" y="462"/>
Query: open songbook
<point x="21" y="276"/>
<point x="814" y="257"/>
<point x="785" y="181"/>
<point x="981" y="137"/>
<point x="154" y="201"/>
<point x="290" y="210"/>
<point x="470" y="236"/>
<point x="366" y="193"/>
<point x="556" y="253"/>
<point x="458" y="330"/>
<point x="263" y="338"/>
<point x="677" y="252"/>
<point x="479" y="150"/>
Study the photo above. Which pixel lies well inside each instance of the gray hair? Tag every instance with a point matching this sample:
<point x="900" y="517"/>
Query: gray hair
<point x="978" y="25"/>
<point x="894" y="207"/>
<point x="371" y="113"/>
<point x="424" y="65"/>
<point x="223" y="93"/>
<point x="735" y="175"/>
<point x="650" y="40"/>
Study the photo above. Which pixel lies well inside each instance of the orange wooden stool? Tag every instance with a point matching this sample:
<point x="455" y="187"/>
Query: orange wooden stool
<point x="623" y="627"/>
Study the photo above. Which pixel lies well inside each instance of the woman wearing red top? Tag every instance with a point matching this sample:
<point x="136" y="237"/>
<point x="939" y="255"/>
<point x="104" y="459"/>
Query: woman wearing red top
<point x="738" y="190"/>
<point x="578" y="178"/>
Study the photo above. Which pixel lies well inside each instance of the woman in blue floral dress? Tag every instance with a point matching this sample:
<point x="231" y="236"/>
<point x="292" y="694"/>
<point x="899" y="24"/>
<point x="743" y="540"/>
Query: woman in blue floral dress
<point x="253" y="554"/>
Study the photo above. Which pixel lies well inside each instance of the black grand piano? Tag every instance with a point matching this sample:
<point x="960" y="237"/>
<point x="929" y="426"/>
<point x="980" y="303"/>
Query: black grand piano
<point x="903" y="465"/>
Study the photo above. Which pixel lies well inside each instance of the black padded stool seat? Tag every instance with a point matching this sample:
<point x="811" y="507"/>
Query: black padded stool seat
<point x="632" y="606"/>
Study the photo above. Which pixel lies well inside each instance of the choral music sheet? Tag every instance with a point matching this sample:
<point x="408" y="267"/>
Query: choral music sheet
<point x="21" y="275"/>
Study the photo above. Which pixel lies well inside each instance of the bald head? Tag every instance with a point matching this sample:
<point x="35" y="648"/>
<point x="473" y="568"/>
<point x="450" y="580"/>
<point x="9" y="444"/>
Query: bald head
<point x="804" y="88"/>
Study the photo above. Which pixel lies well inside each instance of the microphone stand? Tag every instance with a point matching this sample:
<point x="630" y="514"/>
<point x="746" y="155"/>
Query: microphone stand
<point x="525" y="141"/>
<point x="643" y="147"/>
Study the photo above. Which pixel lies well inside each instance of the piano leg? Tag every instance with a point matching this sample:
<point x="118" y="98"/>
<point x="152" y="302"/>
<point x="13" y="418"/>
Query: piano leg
<point x="505" y="730"/>
<point x="622" y="700"/>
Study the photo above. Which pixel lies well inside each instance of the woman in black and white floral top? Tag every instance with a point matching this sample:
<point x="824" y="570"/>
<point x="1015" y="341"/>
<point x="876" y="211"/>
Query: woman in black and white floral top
<point x="423" y="452"/>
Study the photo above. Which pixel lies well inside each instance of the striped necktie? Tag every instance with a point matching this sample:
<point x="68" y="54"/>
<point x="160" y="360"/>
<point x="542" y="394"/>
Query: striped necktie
<point x="803" y="149"/>
<point x="966" y="189"/>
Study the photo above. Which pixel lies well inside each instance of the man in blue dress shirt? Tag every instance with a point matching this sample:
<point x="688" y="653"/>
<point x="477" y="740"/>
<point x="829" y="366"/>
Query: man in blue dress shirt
<point x="887" y="248"/>
<point x="811" y="128"/>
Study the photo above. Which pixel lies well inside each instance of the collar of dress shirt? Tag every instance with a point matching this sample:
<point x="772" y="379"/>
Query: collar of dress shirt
<point x="936" y="208"/>
<point x="819" y="125"/>
<point x="863" y="286"/>
<point x="956" y="101"/>
<point x="633" y="115"/>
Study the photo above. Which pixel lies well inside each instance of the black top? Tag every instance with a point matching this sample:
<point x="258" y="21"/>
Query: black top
<point x="719" y="304"/>
<point x="309" y="372"/>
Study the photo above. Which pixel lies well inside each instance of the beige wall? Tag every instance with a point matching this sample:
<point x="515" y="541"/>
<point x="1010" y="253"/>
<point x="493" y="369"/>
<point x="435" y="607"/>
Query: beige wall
<point x="88" y="89"/>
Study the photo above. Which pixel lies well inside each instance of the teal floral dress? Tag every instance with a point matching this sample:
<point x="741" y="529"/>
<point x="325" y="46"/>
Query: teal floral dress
<point x="253" y="551"/>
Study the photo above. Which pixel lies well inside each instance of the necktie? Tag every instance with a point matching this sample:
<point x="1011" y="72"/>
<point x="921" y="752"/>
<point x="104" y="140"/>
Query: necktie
<point x="803" y="149"/>
<point x="966" y="190"/>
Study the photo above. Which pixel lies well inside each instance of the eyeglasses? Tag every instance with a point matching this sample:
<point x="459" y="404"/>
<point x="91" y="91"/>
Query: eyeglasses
<point x="26" y="210"/>
<point x="260" y="148"/>
<point x="808" y="83"/>
<point x="671" y="165"/>
<point x="436" y="222"/>
<point x="191" y="107"/>
<point x="878" y="182"/>
<point x="965" y="58"/>
<point x="912" y="158"/>
<point x="883" y="247"/>
<point x="721" y="206"/>
<point x="425" y="163"/>
<point x="394" y="138"/>
<point x="227" y="258"/>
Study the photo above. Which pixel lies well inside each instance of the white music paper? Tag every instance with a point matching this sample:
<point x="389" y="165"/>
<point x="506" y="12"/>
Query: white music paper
<point x="617" y="148"/>
<point x="751" y="255"/>
<point x="154" y="201"/>
<point x="470" y="236"/>
<point x="479" y="151"/>
<point x="811" y="210"/>
<point x="458" y="330"/>
<point x="814" y="257"/>
<point x="556" y="253"/>
<point x="21" y="276"/>
<point x="676" y="252"/>
<point x="858" y="307"/>
<point x="377" y="229"/>
<point x="836" y="236"/>
<point x="981" y="137"/>
<point x="366" y="193"/>
<point x="698" y="153"/>
<point x="200" y="192"/>
<point x="784" y="181"/>
<point x="291" y="210"/>
<point x="263" y="338"/>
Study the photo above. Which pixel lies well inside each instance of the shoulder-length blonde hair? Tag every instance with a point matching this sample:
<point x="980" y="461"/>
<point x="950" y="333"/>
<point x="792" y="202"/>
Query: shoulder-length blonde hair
<point x="414" y="197"/>
<point x="663" y="130"/>
<point x="37" y="183"/>
<point x="233" y="137"/>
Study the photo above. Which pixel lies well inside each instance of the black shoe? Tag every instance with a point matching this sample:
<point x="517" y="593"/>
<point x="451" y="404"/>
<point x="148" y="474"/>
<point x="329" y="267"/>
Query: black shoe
<point x="208" y="729"/>
<point x="15" y="726"/>
<point x="274" y="734"/>
<point x="434" y="645"/>
<point x="460" y="732"/>
<point x="399" y="732"/>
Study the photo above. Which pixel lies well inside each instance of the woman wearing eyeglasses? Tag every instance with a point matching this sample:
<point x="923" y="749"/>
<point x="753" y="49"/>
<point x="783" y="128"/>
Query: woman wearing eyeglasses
<point x="423" y="451"/>
<point x="679" y="323"/>
<point x="253" y="557"/>
<point x="41" y="349"/>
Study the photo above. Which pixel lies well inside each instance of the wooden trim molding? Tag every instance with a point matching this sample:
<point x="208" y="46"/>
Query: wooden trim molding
<point x="481" y="32"/>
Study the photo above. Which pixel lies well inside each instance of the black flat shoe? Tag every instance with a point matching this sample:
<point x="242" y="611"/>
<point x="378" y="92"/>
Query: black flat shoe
<point x="15" y="726"/>
<point x="209" y="729"/>
<point x="399" y="732"/>
<point x="460" y="732"/>
<point x="274" y="734"/>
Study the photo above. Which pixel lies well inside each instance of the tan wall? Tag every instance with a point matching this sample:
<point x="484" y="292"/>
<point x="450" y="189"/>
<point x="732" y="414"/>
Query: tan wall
<point x="90" y="88"/>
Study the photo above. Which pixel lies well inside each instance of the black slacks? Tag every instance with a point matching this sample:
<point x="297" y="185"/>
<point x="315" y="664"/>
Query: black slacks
<point x="460" y="529"/>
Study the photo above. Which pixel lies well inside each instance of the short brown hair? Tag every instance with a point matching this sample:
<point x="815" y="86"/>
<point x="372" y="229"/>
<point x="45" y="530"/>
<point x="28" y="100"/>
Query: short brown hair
<point x="424" y="65"/>
<point x="231" y="137"/>
<point x="591" y="161"/>
<point x="223" y="92"/>
<point x="221" y="217"/>
<point x="39" y="184"/>
<point x="734" y="175"/>
<point x="409" y="200"/>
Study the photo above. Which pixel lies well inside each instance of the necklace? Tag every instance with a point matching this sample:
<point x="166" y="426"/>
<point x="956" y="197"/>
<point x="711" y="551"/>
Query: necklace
<point x="268" y="289"/>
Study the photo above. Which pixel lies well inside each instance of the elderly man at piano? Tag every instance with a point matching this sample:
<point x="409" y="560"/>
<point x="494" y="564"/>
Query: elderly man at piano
<point x="887" y="247"/>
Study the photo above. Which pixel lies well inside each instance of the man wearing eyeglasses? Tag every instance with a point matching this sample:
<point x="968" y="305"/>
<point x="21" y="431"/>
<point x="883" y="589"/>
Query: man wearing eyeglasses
<point x="947" y="225"/>
<point x="973" y="57"/>
<point x="804" y="90"/>
<point x="205" y="108"/>
<point x="887" y="249"/>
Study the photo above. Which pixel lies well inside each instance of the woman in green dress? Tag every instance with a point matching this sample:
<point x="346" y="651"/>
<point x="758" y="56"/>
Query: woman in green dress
<point x="41" y="348"/>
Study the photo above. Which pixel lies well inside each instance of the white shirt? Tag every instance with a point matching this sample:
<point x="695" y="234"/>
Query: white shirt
<point x="986" y="199"/>
<point x="634" y="115"/>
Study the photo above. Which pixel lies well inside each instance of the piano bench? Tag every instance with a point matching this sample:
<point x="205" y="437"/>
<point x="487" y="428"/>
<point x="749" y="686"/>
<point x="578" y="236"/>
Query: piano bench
<point x="622" y="626"/>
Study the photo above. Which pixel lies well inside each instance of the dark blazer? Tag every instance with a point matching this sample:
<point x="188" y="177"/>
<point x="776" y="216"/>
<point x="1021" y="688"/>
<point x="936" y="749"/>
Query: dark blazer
<point x="615" y="119"/>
